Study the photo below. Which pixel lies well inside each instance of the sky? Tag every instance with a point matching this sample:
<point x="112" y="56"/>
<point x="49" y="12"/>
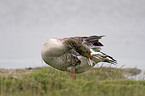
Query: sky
<point x="26" y="24"/>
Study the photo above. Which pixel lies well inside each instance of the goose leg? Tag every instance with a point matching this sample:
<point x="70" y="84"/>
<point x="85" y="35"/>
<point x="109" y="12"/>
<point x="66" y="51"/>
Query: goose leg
<point x="73" y="76"/>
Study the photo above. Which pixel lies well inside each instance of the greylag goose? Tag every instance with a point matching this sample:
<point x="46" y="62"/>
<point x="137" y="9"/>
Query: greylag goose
<point x="74" y="54"/>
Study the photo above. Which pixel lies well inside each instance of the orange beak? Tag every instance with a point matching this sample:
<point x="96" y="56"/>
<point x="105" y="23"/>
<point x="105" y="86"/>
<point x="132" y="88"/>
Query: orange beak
<point x="90" y="56"/>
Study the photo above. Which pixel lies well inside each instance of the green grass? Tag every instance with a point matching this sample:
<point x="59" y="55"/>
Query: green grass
<point x="50" y="82"/>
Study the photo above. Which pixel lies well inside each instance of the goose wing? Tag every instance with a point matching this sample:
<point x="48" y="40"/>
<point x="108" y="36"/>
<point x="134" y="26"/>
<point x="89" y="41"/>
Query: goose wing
<point x="93" y="42"/>
<point x="95" y="45"/>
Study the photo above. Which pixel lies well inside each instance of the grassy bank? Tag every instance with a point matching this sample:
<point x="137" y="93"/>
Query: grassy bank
<point x="50" y="82"/>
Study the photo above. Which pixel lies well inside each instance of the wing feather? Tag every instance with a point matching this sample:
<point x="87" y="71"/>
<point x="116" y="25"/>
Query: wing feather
<point x="93" y="42"/>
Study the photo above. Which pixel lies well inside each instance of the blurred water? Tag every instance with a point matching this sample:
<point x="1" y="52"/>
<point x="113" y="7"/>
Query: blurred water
<point x="26" y="63"/>
<point x="20" y="63"/>
<point x="26" y="24"/>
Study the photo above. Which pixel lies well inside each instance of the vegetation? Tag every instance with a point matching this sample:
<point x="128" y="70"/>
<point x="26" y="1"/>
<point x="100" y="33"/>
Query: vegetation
<point x="51" y="82"/>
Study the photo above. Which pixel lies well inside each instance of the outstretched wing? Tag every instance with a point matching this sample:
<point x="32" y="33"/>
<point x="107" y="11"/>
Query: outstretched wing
<point x="95" y="45"/>
<point x="93" y="42"/>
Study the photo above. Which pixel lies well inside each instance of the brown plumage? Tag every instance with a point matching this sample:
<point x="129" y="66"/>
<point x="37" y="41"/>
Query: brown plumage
<point x="73" y="54"/>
